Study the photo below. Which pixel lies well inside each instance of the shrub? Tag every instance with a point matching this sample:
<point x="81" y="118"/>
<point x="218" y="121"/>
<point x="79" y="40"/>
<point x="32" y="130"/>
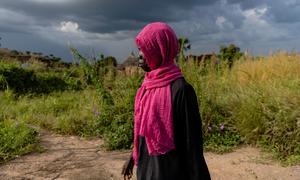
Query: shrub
<point x="25" y="81"/>
<point x="116" y="121"/>
<point x="64" y="112"/>
<point x="255" y="102"/>
<point x="258" y="101"/>
<point x="16" y="138"/>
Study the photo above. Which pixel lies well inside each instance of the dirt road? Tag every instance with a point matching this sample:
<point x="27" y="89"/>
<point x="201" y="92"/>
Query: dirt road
<point x="71" y="157"/>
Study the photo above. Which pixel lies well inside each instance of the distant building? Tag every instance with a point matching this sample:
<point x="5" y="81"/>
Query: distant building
<point x="131" y="60"/>
<point x="130" y="65"/>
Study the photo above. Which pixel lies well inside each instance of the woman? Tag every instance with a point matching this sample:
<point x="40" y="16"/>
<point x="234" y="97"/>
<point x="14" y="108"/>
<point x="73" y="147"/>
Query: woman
<point x="167" y="125"/>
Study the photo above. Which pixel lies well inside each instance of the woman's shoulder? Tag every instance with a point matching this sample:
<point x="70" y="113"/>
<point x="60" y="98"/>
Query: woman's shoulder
<point x="181" y="84"/>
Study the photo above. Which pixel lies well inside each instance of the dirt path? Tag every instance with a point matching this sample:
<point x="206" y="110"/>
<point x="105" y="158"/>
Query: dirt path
<point x="70" y="157"/>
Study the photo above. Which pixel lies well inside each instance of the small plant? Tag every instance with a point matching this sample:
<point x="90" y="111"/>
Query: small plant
<point x="255" y="102"/>
<point x="258" y="102"/>
<point x="16" y="138"/>
<point x="220" y="138"/>
<point x="25" y="81"/>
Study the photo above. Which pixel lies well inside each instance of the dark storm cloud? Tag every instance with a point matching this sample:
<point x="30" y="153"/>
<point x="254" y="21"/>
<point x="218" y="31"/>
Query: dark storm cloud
<point x="284" y="11"/>
<point x="104" y="16"/>
<point x="110" y="25"/>
<point x="211" y="20"/>
<point x="281" y="11"/>
<point x="247" y="4"/>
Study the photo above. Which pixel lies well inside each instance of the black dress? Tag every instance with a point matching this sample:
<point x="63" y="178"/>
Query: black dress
<point x="186" y="162"/>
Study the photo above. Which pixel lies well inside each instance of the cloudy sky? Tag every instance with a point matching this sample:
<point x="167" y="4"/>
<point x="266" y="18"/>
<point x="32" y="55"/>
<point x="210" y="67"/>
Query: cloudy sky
<point x="109" y="26"/>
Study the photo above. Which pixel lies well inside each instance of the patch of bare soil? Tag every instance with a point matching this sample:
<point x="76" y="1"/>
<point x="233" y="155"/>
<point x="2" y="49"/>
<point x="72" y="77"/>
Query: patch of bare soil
<point x="248" y="163"/>
<point x="71" y="157"/>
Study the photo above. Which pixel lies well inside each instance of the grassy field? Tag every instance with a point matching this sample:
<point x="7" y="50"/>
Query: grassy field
<point x="255" y="102"/>
<point x="16" y="138"/>
<point x="259" y="98"/>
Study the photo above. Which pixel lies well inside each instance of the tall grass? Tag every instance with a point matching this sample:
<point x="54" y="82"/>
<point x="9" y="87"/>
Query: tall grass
<point x="105" y="112"/>
<point x="255" y="102"/>
<point x="116" y="121"/>
<point x="28" y="80"/>
<point x="259" y="99"/>
<point x="16" y="139"/>
<point x="69" y="112"/>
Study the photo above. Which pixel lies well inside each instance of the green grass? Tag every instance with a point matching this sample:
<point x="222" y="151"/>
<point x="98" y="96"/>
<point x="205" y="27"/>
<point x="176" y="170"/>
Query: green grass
<point x="16" y="138"/>
<point x="23" y="81"/>
<point x="256" y="102"/>
<point x="68" y="112"/>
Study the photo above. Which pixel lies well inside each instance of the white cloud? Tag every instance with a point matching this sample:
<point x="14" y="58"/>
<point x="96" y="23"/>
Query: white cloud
<point x="69" y="26"/>
<point x="220" y="21"/>
<point x="255" y="15"/>
<point x="71" y="30"/>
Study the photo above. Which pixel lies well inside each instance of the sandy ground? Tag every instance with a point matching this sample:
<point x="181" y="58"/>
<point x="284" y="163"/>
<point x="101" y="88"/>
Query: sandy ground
<point x="71" y="157"/>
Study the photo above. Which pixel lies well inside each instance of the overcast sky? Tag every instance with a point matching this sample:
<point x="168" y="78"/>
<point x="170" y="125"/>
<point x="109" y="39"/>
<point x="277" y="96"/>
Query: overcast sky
<point x="109" y="26"/>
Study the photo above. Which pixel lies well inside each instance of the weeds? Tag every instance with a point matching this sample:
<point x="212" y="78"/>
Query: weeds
<point x="255" y="102"/>
<point x="16" y="138"/>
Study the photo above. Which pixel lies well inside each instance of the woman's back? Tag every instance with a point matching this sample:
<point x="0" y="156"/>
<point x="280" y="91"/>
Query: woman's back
<point x="186" y="161"/>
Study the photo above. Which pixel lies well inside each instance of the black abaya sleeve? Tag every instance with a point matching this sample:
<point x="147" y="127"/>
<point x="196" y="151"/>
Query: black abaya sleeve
<point x="188" y="131"/>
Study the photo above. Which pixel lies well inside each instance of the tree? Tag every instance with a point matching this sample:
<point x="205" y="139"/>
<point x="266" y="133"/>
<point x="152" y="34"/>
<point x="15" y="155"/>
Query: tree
<point x="14" y="52"/>
<point x="230" y="54"/>
<point x="56" y="59"/>
<point x="109" y="61"/>
<point x="184" y="45"/>
<point x="0" y="42"/>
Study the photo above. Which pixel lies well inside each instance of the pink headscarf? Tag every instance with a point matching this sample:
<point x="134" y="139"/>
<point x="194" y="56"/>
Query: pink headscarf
<point x="153" y="115"/>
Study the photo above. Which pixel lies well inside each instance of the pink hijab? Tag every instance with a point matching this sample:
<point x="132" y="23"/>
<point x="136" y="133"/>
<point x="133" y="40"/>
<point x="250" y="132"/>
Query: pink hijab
<point x="153" y="115"/>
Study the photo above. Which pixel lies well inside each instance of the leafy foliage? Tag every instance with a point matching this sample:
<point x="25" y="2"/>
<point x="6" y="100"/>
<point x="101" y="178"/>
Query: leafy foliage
<point x="16" y="138"/>
<point x="184" y="45"/>
<point x="117" y="119"/>
<point x="255" y="102"/>
<point x="22" y="81"/>
<point x="230" y="54"/>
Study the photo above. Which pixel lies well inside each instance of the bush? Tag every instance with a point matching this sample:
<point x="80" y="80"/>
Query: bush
<point x="257" y="101"/>
<point x="115" y="124"/>
<point x="104" y="112"/>
<point x="16" y="138"/>
<point x="69" y="112"/>
<point x="23" y="81"/>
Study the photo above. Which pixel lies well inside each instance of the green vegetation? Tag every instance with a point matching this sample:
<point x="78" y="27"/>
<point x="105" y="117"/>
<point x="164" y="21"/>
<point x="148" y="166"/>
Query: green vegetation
<point x="184" y="45"/>
<point x="27" y="55"/>
<point x="256" y="101"/>
<point x="229" y="54"/>
<point x="16" y="138"/>
<point x="115" y="93"/>
<point x="24" y="81"/>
